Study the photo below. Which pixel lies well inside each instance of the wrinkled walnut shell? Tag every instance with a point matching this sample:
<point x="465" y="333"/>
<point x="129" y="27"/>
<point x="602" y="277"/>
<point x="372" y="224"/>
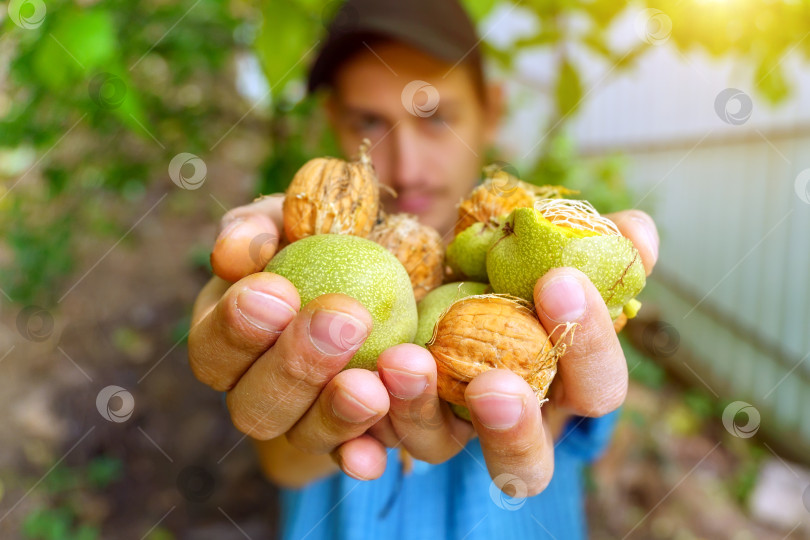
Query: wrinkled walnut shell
<point x="483" y="332"/>
<point x="330" y="195"/>
<point x="499" y="194"/>
<point x="418" y="247"/>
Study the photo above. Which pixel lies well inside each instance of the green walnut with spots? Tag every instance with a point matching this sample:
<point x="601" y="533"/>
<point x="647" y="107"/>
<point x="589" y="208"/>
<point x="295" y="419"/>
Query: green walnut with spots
<point x="357" y="267"/>
<point x="561" y="232"/>
<point x="467" y="253"/>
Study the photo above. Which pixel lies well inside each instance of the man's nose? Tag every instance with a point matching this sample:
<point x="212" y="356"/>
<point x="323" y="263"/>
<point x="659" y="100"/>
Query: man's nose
<point x="408" y="156"/>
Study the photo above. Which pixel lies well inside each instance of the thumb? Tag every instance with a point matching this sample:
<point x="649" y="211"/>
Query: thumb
<point x="248" y="239"/>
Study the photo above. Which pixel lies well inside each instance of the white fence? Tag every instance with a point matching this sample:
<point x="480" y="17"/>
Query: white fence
<point x="733" y="211"/>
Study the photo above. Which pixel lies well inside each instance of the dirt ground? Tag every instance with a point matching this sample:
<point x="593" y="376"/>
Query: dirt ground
<point x="184" y="471"/>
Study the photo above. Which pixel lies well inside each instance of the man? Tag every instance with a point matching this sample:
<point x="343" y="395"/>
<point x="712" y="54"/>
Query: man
<point x="282" y="369"/>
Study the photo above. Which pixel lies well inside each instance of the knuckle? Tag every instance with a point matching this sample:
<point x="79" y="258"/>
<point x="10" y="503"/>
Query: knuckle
<point x="203" y="373"/>
<point x="298" y="439"/>
<point x="299" y="370"/>
<point x="516" y="453"/>
<point x="250" y="424"/>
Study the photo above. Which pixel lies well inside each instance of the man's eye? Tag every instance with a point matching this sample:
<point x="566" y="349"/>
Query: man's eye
<point x="369" y="123"/>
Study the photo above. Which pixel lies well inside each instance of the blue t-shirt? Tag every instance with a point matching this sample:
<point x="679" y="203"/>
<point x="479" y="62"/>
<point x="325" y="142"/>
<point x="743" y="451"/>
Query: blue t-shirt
<point x="454" y="500"/>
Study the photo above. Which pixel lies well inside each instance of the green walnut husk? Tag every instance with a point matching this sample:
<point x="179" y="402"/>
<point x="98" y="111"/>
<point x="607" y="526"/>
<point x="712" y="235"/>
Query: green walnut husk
<point x="467" y="253"/>
<point x="357" y="267"/>
<point x="528" y="245"/>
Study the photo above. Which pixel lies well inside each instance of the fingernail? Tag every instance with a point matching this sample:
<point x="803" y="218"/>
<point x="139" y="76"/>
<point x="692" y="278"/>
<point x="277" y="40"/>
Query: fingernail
<point x="348" y="409"/>
<point x="264" y="310"/>
<point x="562" y="299"/>
<point x="404" y="385"/>
<point x="497" y="411"/>
<point x="335" y="332"/>
<point x="650" y="235"/>
<point x="230" y="227"/>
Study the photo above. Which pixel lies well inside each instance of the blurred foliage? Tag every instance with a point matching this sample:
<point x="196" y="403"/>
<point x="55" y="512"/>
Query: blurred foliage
<point x="65" y="488"/>
<point x="101" y="95"/>
<point x="125" y="94"/>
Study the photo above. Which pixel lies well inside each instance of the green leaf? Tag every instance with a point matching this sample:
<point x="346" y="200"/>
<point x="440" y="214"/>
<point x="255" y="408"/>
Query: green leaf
<point x="286" y="42"/>
<point x="103" y="470"/>
<point x="80" y="41"/>
<point x="569" y="89"/>
<point x="478" y="9"/>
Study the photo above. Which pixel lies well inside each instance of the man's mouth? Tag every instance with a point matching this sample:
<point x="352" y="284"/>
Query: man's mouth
<point x="413" y="203"/>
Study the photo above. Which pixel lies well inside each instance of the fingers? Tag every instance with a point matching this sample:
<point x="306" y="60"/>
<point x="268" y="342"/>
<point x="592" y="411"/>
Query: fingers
<point x="506" y="414"/>
<point x="593" y="370"/>
<point x="234" y="331"/>
<point x="248" y="239"/>
<point x="640" y="228"/>
<point x="363" y="458"/>
<point x="349" y="404"/>
<point x="427" y="427"/>
<point x="283" y="382"/>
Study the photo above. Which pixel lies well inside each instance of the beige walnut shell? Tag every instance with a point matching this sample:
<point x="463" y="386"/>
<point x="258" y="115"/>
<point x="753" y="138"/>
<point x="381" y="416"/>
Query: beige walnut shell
<point x="489" y="331"/>
<point x="417" y="246"/>
<point x="330" y="195"/>
<point x="499" y="194"/>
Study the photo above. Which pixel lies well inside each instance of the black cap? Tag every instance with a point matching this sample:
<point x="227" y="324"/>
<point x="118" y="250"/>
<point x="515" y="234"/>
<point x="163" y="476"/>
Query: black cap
<point x="440" y="28"/>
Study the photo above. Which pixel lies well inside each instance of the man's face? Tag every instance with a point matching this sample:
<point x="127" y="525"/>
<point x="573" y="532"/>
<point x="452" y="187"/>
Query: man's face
<point x="431" y="161"/>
